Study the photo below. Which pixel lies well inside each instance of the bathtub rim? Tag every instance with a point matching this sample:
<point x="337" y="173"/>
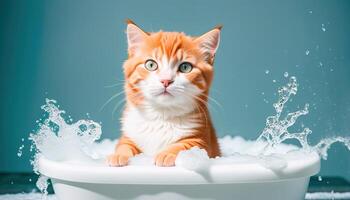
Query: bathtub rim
<point x="215" y="174"/>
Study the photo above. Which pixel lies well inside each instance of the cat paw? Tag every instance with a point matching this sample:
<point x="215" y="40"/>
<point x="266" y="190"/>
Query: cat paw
<point x="117" y="160"/>
<point x="165" y="159"/>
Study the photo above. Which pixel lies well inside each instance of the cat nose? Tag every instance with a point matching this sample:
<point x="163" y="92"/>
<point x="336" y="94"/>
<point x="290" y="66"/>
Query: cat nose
<point x="166" y="83"/>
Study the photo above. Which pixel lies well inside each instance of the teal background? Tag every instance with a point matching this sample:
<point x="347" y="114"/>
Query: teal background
<point x="70" y="50"/>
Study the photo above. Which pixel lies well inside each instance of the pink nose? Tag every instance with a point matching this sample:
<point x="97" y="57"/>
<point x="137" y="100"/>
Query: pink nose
<point x="166" y="83"/>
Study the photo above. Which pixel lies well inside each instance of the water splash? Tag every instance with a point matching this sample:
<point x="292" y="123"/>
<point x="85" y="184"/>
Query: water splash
<point x="276" y="128"/>
<point x="56" y="136"/>
<point x="323" y="146"/>
<point x="42" y="184"/>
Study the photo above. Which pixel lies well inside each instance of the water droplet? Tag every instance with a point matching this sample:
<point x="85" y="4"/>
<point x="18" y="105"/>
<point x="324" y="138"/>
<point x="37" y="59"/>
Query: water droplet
<point x="307" y="52"/>
<point x="267" y="71"/>
<point x="20" y="151"/>
<point x="274" y="81"/>
<point x="310" y="11"/>
<point x="323" y="28"/>
<point x="319" y="178"/>
<point x="286" y="74"/>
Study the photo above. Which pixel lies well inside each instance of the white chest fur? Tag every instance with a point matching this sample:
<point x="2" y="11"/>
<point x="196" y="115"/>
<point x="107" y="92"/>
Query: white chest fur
<point x="153" y="132"/>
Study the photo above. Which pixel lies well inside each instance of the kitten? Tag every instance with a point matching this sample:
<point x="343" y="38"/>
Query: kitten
<point x="168" y="77"/>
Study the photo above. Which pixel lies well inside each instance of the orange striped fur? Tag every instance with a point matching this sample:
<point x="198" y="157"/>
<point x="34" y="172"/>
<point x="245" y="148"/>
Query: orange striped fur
<point x="166" y="108"/>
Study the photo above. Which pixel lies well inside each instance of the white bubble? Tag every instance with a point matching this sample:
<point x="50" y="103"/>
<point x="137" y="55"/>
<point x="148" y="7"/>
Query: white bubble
<point x="286" y="74"/>
<point x="323" y="28"/>
<point x="267" y="71"/>
<point x="20" y="151"/>
<point x="307" y="52"/>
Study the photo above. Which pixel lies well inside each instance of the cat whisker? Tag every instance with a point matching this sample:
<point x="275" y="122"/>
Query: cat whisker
<point x="110" y="99"/>
<point x="213" y="100"/>
<point x="115" y="109"/>
<point x="122" y="101"/>
<point x="114" y="85"/>
<point x="199" y="108"/>
<point x="202" y="101"/>
<point x="113" y="97"/>
<point x="180" y="86"/>
<point x="178" y="89"/>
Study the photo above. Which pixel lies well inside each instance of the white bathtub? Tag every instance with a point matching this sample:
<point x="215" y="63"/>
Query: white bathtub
<point x="244" y="181"/>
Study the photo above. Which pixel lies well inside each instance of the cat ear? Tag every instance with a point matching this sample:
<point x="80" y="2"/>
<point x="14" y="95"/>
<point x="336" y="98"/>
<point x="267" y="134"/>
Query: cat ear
<point x="135" y="35"/>
<point x="209" y="42"/>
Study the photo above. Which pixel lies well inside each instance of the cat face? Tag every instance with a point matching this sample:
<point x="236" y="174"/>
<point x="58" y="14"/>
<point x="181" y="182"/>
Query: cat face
<point x="169" y="69"/>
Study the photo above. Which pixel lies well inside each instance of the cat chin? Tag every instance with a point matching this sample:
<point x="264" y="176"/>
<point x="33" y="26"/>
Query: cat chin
<point x="165" y="101"/>
<point x="170" y="102"/>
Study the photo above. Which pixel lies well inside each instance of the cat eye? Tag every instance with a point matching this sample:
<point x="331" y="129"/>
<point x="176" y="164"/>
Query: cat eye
<point x="185" y="67"/>
<point x="151" y="65"/>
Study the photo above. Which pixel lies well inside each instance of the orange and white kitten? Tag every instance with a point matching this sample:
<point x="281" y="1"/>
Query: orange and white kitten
<point x="168" y="77"/>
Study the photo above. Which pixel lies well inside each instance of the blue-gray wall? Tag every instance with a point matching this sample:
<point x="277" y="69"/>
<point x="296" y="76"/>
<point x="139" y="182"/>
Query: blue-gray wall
<point x="70" y="50"/>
